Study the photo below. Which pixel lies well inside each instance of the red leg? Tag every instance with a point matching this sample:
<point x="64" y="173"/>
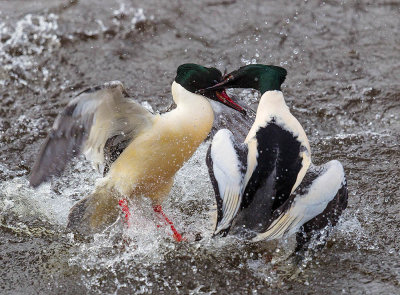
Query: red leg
<point x="177" y="236"/>
<point x="125" y="209"/>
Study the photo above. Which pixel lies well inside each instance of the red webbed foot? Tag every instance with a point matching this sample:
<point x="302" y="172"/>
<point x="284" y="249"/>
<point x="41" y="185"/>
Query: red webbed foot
<point x="177" y="236"/>
<point x="123" y="203"/>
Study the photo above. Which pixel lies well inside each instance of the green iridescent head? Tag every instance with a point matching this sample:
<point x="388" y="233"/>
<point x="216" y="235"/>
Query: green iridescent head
<point x="257" y="76"/>
<point x="195" y="77"/>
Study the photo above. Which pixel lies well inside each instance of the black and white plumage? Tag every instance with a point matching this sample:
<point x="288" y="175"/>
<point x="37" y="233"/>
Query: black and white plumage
<point x="317" y="202"/>
<point x="267" y="187"/>
<point x="227" y="175"/>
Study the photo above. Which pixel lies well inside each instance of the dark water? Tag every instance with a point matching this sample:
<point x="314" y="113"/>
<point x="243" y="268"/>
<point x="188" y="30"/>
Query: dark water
<point x="343" y="62"/>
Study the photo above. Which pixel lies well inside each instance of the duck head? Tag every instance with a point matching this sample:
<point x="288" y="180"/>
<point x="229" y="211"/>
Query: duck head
<point x="257" y="76"/>
<point x="194" y="77"/>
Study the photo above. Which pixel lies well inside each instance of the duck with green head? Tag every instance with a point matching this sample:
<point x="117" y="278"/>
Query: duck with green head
<point x="138" y="152"/>
<point x="267" y="186"/>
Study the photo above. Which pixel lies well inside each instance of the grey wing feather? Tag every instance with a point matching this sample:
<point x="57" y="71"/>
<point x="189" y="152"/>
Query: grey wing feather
<point x="85" y="125"/>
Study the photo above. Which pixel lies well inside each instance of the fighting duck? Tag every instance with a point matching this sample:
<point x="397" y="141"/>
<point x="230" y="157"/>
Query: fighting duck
<point x="138" y="152"/>
<point x="267" y="186"/>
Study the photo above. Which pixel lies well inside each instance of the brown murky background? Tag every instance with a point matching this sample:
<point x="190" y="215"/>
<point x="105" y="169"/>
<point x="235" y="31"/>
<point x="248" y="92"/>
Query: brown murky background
<point x="343" y="62"/>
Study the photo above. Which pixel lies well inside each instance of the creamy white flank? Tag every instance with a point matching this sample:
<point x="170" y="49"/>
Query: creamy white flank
<point x="147" y="166"/>
<point x="273" y="106"/>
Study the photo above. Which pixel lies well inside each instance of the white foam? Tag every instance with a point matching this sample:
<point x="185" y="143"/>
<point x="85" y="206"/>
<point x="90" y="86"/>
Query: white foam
<point x="30" y="37"/>
<point x="52" y="200"/>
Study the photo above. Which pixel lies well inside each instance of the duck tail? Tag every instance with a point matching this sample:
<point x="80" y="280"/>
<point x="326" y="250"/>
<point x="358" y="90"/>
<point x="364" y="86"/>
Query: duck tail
<point x="95" y="212"/>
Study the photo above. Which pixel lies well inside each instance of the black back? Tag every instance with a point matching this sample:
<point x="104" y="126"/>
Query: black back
<point x="278" y="164"/>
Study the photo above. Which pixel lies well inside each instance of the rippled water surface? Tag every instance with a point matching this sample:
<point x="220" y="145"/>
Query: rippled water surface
<point x="343" y="62"/>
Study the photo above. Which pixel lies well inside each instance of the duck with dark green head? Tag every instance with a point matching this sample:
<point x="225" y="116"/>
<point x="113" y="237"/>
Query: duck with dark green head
<point x="138" y="152"/>
<point x="267" y="186"/>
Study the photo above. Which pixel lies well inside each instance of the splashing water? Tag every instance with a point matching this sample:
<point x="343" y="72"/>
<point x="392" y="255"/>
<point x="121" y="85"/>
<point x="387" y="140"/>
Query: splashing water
<point x="342" y="86"/>
<point x="31" y="36"/>
<point x="147" y="244"/>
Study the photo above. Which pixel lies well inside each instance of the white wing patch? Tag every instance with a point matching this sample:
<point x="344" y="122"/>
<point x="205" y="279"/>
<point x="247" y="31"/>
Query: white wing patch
<point x="227" y="172"/>
<point x="307" y="206"/>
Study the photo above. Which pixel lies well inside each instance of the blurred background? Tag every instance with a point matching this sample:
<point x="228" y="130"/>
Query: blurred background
<point x="343" y="62"/>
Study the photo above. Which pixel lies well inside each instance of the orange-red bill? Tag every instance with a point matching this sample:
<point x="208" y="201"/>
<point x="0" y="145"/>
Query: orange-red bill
<point x="225" y="99"/>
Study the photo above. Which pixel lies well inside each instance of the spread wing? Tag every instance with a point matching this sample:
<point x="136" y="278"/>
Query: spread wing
<point x="315" y="196"/>
<point x="227" y="165"/>
<point x="96" y="118"/>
